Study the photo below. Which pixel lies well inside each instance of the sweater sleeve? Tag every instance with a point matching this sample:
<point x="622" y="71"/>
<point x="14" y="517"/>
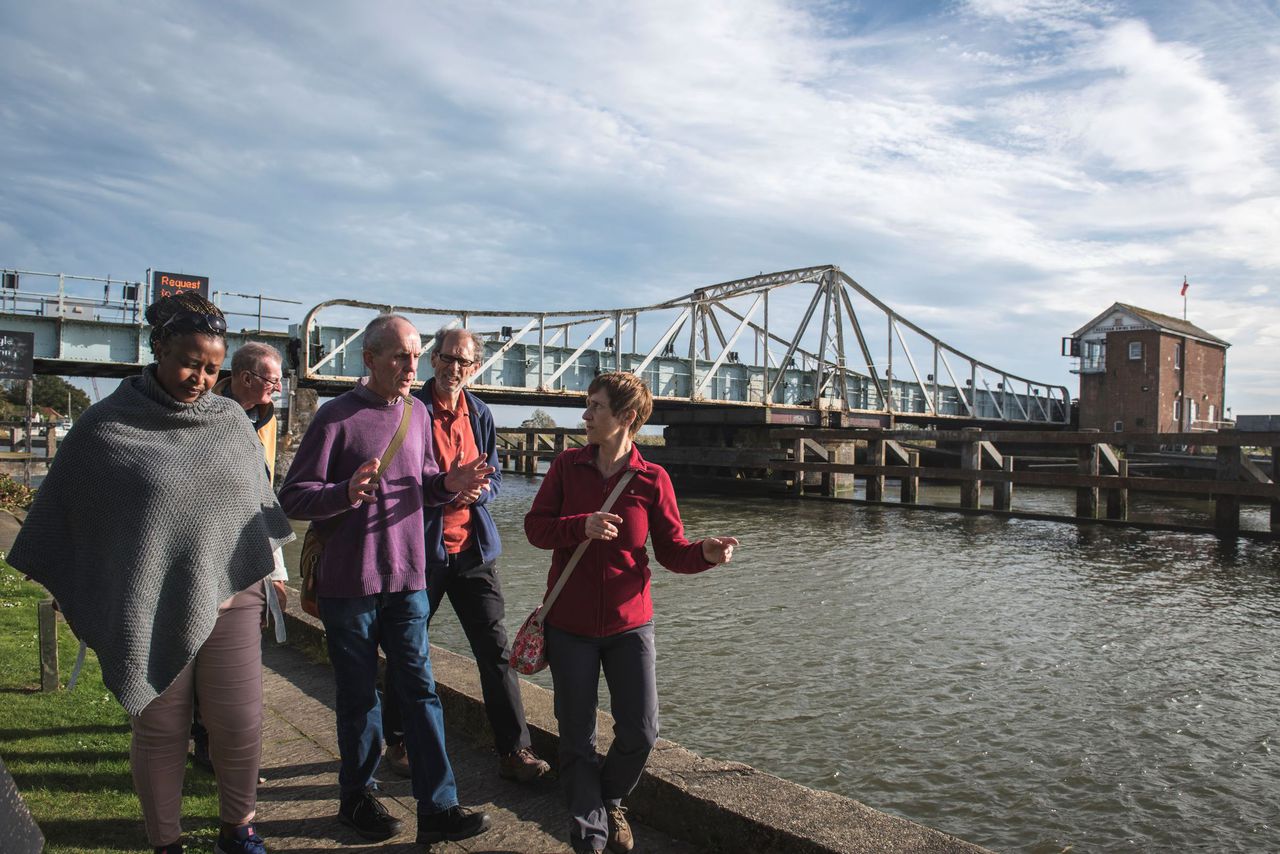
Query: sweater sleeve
<point x="666" y="531"/>
<point x="543" y="524"/>
<point x="307" y="493"/>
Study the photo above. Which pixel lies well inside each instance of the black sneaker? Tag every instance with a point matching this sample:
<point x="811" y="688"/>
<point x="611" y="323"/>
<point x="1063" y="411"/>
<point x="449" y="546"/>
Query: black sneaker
<point x="368" y="817"/>
<point x="451" y="825"/>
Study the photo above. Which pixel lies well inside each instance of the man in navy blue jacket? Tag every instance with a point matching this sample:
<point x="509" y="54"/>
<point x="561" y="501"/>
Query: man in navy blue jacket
<point x="462" y="552"/>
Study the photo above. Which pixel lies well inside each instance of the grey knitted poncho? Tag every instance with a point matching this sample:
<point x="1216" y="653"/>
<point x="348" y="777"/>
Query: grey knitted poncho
<point x="152" y="514"/>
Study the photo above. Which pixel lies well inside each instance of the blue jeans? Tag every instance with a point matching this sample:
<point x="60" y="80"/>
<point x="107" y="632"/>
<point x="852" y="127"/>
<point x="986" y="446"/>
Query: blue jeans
<point x="355" y="628"/>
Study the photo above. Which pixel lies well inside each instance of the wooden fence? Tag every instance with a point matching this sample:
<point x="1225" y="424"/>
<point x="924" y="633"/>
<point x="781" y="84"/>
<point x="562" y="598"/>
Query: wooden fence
<point x="1102" y="479"/>
<point x="521" y="448"/>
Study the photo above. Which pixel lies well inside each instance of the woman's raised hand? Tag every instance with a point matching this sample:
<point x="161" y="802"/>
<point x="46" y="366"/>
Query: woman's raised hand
<point x="718" y="549"/>
<point x="603" y="526"/>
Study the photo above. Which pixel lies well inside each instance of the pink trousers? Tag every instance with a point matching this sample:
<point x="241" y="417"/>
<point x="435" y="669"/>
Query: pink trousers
<point x="227" y="674"/>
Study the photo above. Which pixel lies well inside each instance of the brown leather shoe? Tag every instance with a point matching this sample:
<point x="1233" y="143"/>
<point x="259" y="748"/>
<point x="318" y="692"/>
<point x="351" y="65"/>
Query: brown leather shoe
<point x="522" y="765"/>
<point x="620" y="839"/>
<point x="397" y="759"/>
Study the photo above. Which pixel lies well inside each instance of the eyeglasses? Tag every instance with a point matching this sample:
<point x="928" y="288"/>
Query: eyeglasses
<point x="195" y="321"/>
<point x="269" y="382"/>
<point x="455" y="360"/>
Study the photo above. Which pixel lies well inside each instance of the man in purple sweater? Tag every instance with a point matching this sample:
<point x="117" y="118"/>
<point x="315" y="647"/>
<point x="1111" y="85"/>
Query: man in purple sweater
<point x="372" y="578"/>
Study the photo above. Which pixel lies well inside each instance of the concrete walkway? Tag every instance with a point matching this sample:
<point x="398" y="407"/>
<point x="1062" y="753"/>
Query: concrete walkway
<point x="297" y="807"/>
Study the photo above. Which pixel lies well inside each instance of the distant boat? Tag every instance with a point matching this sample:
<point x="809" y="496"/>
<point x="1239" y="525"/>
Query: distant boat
<point x="62" y="429"/>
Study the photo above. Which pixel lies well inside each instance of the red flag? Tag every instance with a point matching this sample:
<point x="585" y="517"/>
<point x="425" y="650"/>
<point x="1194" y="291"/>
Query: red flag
<point x="1184" y="286"/>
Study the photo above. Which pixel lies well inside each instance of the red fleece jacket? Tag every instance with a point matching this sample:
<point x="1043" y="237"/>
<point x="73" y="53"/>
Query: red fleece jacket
<point x="608" y="591"/>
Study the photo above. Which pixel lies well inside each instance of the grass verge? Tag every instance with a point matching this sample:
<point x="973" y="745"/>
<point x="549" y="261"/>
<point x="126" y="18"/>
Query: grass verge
<point x="69" y="750"/>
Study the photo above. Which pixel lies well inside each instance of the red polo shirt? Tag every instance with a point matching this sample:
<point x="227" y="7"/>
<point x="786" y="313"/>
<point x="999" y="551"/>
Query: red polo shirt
<point x="451" y="433"/>
<point x="608" y="591"/>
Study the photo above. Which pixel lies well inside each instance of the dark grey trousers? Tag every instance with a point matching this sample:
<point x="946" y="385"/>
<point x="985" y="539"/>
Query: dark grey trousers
<point x="628" y="660"/>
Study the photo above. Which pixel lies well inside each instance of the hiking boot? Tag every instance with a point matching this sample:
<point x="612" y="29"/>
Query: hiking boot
<point x="397" y="759"/>
<point x="522" y="765"/>
<point x="243" y="840"/>
<point x="620" y="839"/>
<point x="451" y="825"/>
<point x="368" y="817"/>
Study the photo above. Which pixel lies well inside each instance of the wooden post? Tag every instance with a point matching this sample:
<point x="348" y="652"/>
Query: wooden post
<point x="50" y="441"/>
<point x="1087" y="496"/>
<point x="1226" y="508"/>
<point x="1002" y="498"/>
<point x="531" y="453"/>
<point x="1118" y="498"/>
<point x="47" y="620"/>
<point x="797" y="484"/>
<point x="875" y="482"/>
<point x="31" y="446"/>
<point x="559" y="443"/>
<point x="911" y="483"/>
<point x="1275" y="478"/>
<point x="971" y="460"/>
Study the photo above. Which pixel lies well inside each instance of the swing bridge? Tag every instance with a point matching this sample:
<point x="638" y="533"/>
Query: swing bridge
<point x="809" y="346"/>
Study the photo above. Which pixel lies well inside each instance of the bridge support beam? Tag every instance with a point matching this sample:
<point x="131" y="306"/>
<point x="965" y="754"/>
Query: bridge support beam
<point x="911" y="483"/>
<point x="875" y="482"/>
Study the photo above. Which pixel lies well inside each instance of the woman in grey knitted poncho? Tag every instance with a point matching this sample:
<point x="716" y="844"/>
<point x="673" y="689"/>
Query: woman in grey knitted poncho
<point x="154" y="531"/>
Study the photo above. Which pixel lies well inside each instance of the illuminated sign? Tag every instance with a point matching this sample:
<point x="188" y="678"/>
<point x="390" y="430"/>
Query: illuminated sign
<point x="15" y="355"/>
<point x="167" y="284"/>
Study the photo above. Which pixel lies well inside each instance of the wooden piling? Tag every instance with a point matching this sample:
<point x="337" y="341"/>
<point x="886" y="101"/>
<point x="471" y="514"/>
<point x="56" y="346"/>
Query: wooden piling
<point x="911" y="483"/>
<point x="1118" y="499"/>
<point x="47" y="621"/>
<point x="1088" y="463"/>
<point x="50" y="441"/>
<point x="1002" y="492"/>
<point x="1275" y="502"/>
<point x="875" y="482"/>
<point x="971" y="460"/>
<point x="1226" y="508"/>
<point x="797" y="483"/>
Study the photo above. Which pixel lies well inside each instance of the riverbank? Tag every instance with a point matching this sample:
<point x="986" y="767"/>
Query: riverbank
<point x="685" y="802"/>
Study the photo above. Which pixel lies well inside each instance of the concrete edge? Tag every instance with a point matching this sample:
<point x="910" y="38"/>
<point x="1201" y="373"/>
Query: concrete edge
<point x="721" y="805"/>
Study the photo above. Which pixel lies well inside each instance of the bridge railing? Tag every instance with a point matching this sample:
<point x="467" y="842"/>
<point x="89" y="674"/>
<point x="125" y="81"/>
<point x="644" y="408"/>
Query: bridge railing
<point x="750" y="342"/>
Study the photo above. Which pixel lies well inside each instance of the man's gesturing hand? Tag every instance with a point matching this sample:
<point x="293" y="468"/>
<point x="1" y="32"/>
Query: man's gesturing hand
<point x="468" y="477"/>
<point x="362" y="487"/>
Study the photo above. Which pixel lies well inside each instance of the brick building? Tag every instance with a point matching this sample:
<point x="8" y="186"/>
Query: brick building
<point x="1145" y="372"/>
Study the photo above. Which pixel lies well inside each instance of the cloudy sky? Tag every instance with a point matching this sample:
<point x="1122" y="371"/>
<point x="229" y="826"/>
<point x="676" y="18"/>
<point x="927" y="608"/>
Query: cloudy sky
<point x="999" y="171"/>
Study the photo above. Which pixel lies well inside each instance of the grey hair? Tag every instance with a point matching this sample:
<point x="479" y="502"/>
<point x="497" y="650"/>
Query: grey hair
<point x="376" y="333"/>
<point x="477" y="345"/>
<point x="250" y="356"/>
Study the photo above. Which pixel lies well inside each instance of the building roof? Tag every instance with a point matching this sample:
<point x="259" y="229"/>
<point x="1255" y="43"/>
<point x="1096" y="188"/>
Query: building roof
<point x="1156" y="320"/>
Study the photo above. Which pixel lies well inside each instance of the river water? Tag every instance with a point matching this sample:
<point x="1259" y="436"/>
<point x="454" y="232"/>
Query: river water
<point x="1025" y="685"/>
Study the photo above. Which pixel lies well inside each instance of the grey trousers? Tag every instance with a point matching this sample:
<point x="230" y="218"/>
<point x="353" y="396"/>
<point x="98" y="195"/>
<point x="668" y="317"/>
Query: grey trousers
<point x="628" y="660"/>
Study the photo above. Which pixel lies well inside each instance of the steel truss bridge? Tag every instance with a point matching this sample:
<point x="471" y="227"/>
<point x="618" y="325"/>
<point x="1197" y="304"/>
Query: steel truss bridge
<point x="805" y="346"/>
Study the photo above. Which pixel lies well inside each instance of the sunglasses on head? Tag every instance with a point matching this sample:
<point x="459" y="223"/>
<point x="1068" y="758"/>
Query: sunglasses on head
<point x="196" y="321"/>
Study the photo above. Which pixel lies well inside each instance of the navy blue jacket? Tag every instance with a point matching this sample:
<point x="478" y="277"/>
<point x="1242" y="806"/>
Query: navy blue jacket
<point x="482" y="527"/>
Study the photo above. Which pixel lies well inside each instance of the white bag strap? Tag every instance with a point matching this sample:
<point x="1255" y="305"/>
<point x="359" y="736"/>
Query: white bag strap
<point x="577" y="553"/>
<point x="277" y="615"/>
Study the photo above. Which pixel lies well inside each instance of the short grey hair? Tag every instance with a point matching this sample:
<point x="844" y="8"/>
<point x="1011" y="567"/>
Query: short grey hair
<point x="250" y="356"/>
<point x="477" y="345"/>
<point x="377" y="332"/>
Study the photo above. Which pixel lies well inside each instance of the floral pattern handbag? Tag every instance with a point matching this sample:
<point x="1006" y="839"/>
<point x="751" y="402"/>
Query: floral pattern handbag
<point x="529" y="649"/>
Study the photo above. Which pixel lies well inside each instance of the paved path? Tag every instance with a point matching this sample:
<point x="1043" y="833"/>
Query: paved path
<point x="297" y="806"/>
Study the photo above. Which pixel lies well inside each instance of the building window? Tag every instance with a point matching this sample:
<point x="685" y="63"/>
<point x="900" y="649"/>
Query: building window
<point x="1211" y="412"/>
<point x="1135" y="350"/>
<point x="1177" y="412"/>
<point x="1177" y="357"/>
<point x="1118" y="426"/>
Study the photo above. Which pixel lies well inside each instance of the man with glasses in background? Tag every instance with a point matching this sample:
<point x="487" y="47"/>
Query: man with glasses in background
<point x="462" y="553"/>
<point x="256" y="375"/>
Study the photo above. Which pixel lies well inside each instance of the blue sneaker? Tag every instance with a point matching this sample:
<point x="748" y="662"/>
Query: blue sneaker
<point x="243" y="840"/>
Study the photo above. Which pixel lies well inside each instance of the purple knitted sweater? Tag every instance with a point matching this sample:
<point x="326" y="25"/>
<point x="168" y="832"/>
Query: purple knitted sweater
<point x="378" y="547"/>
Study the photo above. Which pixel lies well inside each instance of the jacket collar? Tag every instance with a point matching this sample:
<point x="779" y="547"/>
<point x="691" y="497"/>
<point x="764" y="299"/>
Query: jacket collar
<point x="634" y="461"/>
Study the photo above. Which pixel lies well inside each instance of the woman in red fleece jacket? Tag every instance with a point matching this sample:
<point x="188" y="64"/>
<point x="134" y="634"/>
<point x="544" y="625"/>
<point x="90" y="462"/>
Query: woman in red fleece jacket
<point x="603" y="618"/>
